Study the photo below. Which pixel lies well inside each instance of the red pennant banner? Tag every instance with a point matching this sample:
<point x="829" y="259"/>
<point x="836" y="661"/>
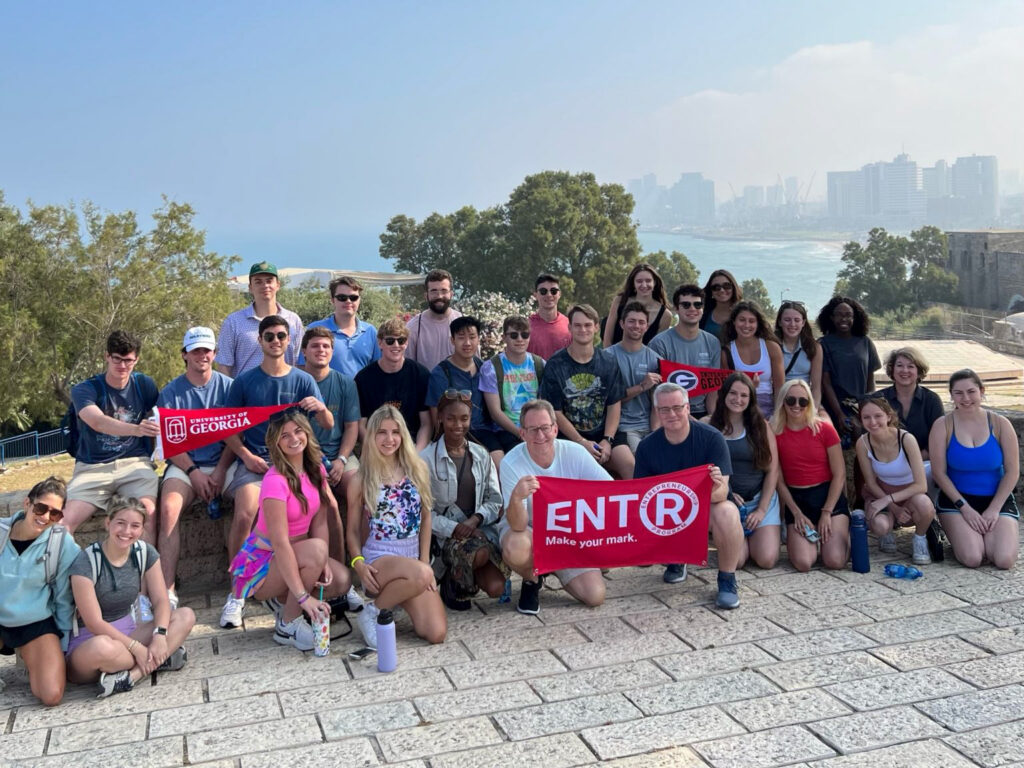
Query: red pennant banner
<point x="187" y="429"/>
<point x="612" y="524"/>
<point x="696" y="381"/>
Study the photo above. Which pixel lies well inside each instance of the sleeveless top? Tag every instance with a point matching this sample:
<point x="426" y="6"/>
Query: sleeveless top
<point x="895" y="472"/>
<point x="978" y="470"/>
<point x="398" y="512"/>
<point x="801" y="368"/>
<point x="746" y="479"/>
<point x="653" y="329"/>
<point x="763" y="366"/>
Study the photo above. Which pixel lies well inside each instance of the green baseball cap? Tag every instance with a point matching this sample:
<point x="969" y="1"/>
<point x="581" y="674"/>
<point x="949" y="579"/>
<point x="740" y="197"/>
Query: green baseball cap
<point x="263" y="268"/>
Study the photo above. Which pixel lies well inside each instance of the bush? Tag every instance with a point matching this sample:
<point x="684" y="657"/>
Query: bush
<point x="491" y="309"/>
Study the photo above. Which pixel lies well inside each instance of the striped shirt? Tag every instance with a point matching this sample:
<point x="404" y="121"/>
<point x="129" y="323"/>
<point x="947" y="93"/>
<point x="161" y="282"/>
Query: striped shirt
<point x="238" y="345"/>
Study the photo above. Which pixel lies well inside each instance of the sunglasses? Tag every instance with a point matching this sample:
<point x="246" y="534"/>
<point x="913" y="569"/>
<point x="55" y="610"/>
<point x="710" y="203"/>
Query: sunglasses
<point x="392" y="340"/>
<point x="269" y="336"/>
<point x="721" y="287"/>
<point x="42" y="509"/>
<point x="353" y="297"/>
<point x="803" y="402"/>
<point x="516" y="335"/>
<point x="695" y="304"/>
<point x="458" y="394"/>
<point x="546" y="291"/>
<point x="791" y="304"/>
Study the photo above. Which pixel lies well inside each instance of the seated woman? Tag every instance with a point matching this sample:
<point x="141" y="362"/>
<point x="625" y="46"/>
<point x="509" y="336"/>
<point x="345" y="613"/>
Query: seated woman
<point x="35" y="589"/>
<point x="895" y="489"/>
<point x="755" y="468"/>
<point x="467" y="504"/>
<point x="285" y="557"/>
<point x="643" y="284"/>
<point x="975" y="464"/>
<point x="811" y="483"/>
<point x="750" y="346"/>
<point x="106" y="579"/>
<point x="388" y="529"/>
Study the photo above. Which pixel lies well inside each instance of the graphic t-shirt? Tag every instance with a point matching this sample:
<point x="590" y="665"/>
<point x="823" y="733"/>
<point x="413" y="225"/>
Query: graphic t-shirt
<point x="519" y="384"/>
<point x="583" y="391"/>
<point x="130" y="405"/>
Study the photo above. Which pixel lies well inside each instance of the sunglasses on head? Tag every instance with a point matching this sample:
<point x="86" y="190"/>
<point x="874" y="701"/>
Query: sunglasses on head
<point x="458" y="394"/>
<point x="790" y="304"/>
<point x="698" y="304"/>
<point x="546" y="291"/>
<point x="392" y="340"/>
<point x="721" y="286"/>
<point x="269" y="336"/>
<point x="42" y="509"/>
<point x="515" y="335"/>
<point x="353" y="297"/>
<point x="803" y="402"/>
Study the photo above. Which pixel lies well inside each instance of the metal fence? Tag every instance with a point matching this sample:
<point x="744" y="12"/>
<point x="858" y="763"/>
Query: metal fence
<point x="32" y="445"/>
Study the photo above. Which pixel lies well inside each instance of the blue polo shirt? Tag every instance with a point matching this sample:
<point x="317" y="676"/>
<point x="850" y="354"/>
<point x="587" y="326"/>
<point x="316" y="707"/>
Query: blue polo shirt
<point x="351" y="353"/>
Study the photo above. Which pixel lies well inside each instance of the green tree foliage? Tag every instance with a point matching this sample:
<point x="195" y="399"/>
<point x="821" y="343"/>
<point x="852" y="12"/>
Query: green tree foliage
<point x="754" y="290"/>
<point x="675" y="269"/>
<point x="310" y="301"/>
<point x="74" y="276"/>
<point x="894" y="273"/>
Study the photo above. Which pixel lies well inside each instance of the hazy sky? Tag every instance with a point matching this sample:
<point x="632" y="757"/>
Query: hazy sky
<point x="275" y="118"/>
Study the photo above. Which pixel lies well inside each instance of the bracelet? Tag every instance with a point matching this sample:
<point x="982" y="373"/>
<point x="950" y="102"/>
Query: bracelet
<point x="826" y="511"/>
<point x="191" y="469"/>
<point x="132" y="644"/>
<point x="892" y="498"/>
<point x="356" y="559"/>
<point x="302" y="598"/>
<point x="343" y="459"/>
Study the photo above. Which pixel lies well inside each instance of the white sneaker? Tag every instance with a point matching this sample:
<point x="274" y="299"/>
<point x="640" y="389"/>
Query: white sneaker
<point x="296" y="632"/>
<point x="231" y="613"/>
<point x="887" y="543"/>
<point x="367" y="620"/>
<point x="921" y="555"/>
<point x="172" y="598"/>
<point x="355" y="602"/>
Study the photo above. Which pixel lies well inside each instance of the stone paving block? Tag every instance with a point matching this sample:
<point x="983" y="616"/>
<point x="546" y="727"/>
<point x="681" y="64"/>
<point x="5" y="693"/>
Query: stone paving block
<point x="244" y="739"/>
<point x="751" y="606"/>
<point x="508" y="621"/>
<point x="898" y="688"/>
<point x="832" y="668"/>
<point x="449" y="706"/>
<point x="202" y="717"/>
<point x="993" y="671"/>
<point x="473" y="674"/>
<point x="997" y="745"/>
<point x="909" y="605"/>
<point x="266" y="678"/>
<point x="618" y="606"/>
<point x="670" y="621"/>
<point x="569" y="715"/>
<point x="674" y="757"/>
<point x="607" y="630"/>
<point x="842" y="595"/>
<point x="730" y="632"/>
<point x="931" y="753"/>
<point x="815" y="643"/>
<point x="978" y="709"/>
<point x="368" y="719"/>
<point x="999" y="591"/>
<point x="938" y="576"/>
<point x="922" y="627"/>
<point x="353" y="753"/>
<point x="766" y="748"/>
<point x="928" y="653"/>
<point x="806" y="620"/>
<point x="156" y="753"/>
<point x="418" y="657"/>
<point x="490" y="645"/>
<point x="602" y="680"/>
<point x="793" y="582"/>
<point x="714" y="661"/>
<point x="25" y="744"/>
<point x="95" y="734"/>
<point x="431" y="740"/>
<point x="1000" y="640"/>
<point x="561" y="751"/>
<point x="1002" y="615"/>
<point x="699" y="692"/>
<point x="789" y="708"/>
<point x="397" y="685"/>
<point x="590" y="655"/>
<point x="652" y="733"/>
<point x="870" y="730"/>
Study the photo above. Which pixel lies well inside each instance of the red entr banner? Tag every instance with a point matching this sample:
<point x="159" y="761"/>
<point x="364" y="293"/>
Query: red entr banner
<point x="187" y="429"/>
<point x="612" y="524"/>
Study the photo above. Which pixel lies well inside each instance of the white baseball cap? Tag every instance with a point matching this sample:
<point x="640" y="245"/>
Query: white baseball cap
<point x="199" y="337"/>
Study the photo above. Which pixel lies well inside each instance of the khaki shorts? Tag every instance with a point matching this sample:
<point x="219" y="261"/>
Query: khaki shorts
<point x="96" y="483"/>
<point x="564" y="576"/>
<point x="174" y="472"/>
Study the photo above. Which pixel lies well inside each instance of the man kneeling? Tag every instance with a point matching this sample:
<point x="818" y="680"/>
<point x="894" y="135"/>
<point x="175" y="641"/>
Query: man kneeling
<point x="541" y="453"/>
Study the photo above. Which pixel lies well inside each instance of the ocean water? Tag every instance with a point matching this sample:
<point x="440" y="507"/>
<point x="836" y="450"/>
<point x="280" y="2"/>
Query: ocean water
<point x="801" y="270"/>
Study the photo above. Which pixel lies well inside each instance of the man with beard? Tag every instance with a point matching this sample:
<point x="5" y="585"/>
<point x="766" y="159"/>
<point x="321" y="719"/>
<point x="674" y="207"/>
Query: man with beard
<point x="430" y="339"/>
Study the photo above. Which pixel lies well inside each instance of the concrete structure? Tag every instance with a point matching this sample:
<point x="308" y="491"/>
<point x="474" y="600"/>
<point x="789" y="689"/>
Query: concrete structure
<point x="990" y="265"/>
<point x="976" y="182"/>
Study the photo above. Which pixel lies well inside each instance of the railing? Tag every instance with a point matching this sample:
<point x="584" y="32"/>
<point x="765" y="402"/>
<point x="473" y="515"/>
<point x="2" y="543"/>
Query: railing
<point x="32" y="445"/>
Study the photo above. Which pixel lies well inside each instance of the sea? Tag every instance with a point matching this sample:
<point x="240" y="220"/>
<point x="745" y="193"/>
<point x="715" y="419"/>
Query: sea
<point x="804" y="270"/>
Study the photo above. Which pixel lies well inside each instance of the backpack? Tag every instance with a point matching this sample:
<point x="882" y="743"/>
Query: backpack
<point x="140" y="555"/>
<point x="69" y="424"/>
<point x="54" y="546"/>
<point x="499" y="374"/>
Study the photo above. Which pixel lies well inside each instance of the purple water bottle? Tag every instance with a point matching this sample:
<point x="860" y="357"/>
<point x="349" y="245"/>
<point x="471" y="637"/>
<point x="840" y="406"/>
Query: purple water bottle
<point x="387" y="648"/>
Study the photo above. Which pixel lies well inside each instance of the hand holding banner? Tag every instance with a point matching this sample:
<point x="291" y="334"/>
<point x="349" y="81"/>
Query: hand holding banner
<point x="695" y="380"/>
<point x="612" y="524"/>
<point x="187" y="429"/>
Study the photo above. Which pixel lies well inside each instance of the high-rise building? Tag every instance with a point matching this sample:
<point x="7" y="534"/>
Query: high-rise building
<point x="976" y="182"/>
<point x="692" y="199"/>
<point x="937" y="180"/>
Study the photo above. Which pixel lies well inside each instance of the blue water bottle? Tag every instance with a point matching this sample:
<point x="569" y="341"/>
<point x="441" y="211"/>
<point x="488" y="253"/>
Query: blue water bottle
<point x="506" y="595"/>
<point x="900" y="571"/>
<point x="213" y="508"/>
<point x="387" y="647"/>
<point x="859" y="541"/>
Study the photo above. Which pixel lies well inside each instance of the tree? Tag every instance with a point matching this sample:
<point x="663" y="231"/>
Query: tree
<point x="754" y="290"/>
<point x="675" y="269"/>
<point x="930" y="280"/>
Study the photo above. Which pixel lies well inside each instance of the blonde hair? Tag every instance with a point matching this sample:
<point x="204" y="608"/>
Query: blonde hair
<point x="778" y="420"/>
<point x="372" y="467"/>
<point x="311" y="458"/>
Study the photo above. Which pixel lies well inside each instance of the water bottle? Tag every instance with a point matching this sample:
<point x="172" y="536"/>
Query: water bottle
<point x="506" y="595"/>
<point x="859" y="541"/>
<point x="387" y="648"/>
<point x="322" y="630"/>
<point x="898" y="571"/>
<point x="213" y="508"/>
<point x="745" y="510"/>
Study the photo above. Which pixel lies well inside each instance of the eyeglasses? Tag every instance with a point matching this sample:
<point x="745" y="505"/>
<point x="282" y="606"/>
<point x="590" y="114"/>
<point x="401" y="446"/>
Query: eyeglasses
<point x="678" y="410"/>
<point x="687" y="304"/>
<point x="516" y="335"/>
<point x="128" y="361"/>
<point x="546" y="291"/>
<point x="721" y="287"/>
<point x="439" y="292"/>
<point x="42" y="509"/>
<point x="543" y="429"/>
<point x="803" y="402"/>
<point x="269" y="336"/>
<point x="458" y="394"/>
<point x="392" y="340"/>
<point x="353" y="297"/>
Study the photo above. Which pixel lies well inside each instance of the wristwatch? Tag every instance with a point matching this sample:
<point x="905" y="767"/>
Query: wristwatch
<point x="959" y="503"/>
<point x="160" y="631"/>
<point x="609" y="438"/>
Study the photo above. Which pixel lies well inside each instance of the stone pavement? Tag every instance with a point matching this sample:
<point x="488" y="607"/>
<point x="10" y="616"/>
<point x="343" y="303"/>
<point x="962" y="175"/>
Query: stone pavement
<point x="821" y="669"/>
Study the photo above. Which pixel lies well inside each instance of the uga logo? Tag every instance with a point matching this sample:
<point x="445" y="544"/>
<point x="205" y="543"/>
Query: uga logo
<point x="175" y="430"/>
<point x="668" y="508"/>
<point x="686" y="379"/>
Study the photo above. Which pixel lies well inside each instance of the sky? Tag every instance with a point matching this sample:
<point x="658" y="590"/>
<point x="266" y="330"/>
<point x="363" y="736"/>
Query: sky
<point x="310" y="122"/>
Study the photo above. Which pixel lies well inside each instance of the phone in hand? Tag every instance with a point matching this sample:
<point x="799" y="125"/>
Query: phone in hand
<point x="810" y="533"/>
